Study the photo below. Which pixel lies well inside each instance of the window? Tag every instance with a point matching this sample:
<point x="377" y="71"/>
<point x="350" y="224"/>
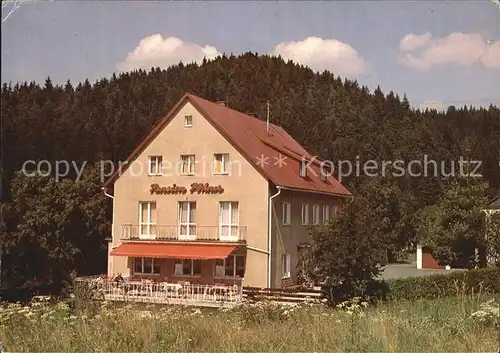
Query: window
<point x="187" y="267"/>
<point x="146" y="265"/>
<point x="286" y="265"/>
<point x="187" y="164"/>
<point x="300" y="260"/>
<point x="286" y="213"/>
<point x="147" y="219"/>
<point x="221" y="163"/>
<point x="303" y="169"/>
<point x="228" y="220"/>
<point x="187" y="220"/>
<point x="335" y="211"/>
<point x="305" y="214"/>
<point x="326" y="171"/>
<point x="155" y="165"/>
<point x="188" y="121"/>
<point x="315" y="214"/>
<point x="326" y="214"/>
<point x="232" y="266"/>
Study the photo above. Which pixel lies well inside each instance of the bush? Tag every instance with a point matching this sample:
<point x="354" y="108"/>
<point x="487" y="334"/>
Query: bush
<point x="85" y="298"/>
<point x="485" y="280"/>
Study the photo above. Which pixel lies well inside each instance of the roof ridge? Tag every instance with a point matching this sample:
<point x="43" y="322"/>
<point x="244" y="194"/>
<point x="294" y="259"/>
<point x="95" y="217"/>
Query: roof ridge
<point x="253" y="118"/>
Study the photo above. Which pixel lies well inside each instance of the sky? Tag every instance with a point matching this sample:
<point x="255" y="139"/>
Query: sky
<point x="438" y="53"/>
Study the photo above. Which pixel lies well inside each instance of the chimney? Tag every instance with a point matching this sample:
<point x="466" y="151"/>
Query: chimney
<point x="252" y="114"/>
<point x="223" y="103"/>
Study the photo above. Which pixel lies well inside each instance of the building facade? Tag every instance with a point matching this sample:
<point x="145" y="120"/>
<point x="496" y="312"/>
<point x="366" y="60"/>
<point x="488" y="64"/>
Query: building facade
<point x="213" y="195"/>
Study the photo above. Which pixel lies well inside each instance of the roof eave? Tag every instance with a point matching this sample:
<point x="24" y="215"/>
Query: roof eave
<point x="349" y="196"/>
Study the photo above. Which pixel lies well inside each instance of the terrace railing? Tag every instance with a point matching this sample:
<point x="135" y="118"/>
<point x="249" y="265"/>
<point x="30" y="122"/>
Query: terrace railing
<point x="189" y="232"/>
<point x="168" y="293"/>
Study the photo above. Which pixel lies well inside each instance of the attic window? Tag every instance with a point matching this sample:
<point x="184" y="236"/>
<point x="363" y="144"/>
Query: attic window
<point x="303" y="169"/>
<point x="188" y="121"/>
<point x="325" y="172"/>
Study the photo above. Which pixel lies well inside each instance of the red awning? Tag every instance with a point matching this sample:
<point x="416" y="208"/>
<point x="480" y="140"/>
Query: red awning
<point x="174" y="251"/>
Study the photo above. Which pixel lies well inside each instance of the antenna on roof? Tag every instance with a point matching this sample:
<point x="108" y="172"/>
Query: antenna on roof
<point x="267" y="117"/>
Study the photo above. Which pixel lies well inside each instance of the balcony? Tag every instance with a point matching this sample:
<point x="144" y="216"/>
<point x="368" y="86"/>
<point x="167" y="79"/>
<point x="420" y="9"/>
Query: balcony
<point x="184" y="233"/>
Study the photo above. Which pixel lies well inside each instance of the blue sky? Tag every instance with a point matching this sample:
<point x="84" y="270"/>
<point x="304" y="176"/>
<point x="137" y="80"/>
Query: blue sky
<point x="438" y="53"/>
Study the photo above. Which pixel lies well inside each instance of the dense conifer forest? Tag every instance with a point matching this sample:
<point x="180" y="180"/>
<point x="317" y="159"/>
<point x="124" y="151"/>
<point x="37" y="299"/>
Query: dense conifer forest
<point x="56" y="230"/>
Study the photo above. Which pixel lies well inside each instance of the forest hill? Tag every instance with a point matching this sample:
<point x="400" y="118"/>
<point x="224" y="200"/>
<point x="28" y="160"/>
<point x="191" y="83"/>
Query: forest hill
<point x="334" y="117"/>
<point x="199" y="188"/>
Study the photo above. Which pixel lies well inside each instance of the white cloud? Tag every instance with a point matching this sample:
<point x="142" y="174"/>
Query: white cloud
<point x="323" y="54"/>
<point x="412" y="41"/>
<point x="432" y="104"/>
<point x="155" y="50"/>
<point x="422" y="52"/>
<point x="492" y="56"/>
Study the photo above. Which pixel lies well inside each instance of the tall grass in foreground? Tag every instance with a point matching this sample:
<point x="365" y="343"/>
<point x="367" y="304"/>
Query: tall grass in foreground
<point x="443" y="325"/>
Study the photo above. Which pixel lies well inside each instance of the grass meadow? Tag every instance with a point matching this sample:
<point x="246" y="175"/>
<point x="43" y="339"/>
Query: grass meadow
<point x="466" y="323"/>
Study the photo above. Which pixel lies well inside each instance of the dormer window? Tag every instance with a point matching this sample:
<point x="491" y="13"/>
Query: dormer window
<point x="303" y="169"/>
<point x="188" y="121"/>
<point x="325" y="172"/>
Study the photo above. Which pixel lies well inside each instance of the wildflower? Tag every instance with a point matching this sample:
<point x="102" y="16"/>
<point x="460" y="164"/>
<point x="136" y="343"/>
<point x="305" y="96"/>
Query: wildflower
<point x="489" y="312"/>
<point x="145" y="314"/>
<point x="196" y="312"/>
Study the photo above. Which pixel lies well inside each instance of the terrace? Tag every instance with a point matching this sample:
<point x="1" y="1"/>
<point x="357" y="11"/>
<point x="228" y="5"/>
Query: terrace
<point x="160" y="292"/>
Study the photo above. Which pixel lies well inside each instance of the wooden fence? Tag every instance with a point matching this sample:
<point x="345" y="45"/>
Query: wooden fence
<point x="282" y="295"/>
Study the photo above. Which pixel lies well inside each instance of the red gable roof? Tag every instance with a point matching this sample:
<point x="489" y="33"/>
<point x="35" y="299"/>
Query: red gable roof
<point x="249" y="136"/>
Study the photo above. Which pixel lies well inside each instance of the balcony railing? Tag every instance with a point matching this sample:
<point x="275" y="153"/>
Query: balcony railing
<point x="184" y="233"/>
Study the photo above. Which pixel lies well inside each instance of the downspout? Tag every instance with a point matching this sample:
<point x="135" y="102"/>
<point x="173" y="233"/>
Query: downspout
<point x="110" y="240"/>
<point x="106" y="193"/>
<point x="269" y="235"/>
